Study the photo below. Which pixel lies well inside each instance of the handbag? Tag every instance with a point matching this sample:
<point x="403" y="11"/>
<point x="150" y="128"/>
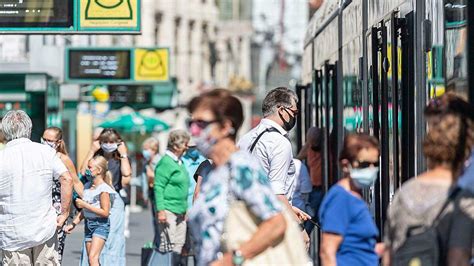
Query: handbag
<point x="154" y="257"/>
<point x="241" y="224"/>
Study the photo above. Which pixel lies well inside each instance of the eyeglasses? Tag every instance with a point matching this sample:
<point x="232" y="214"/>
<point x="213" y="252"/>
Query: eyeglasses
<point x="368" y="164"/>
<point x="202" y="124"/>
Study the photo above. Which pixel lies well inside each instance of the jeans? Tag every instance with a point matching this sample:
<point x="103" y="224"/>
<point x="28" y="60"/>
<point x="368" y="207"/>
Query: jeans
<point x="314" y="201"/>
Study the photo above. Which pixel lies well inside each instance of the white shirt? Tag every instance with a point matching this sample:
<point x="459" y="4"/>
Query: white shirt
<point x="27" y="173"/>
<point x="92" y="196"/>
<point x="173" y="156"/>
<point x="275" y="155"/>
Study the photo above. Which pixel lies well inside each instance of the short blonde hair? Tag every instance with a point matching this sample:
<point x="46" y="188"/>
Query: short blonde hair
<point x="152" y="143"/>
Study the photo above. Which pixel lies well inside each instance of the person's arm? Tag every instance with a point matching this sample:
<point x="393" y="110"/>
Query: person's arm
<point x="94" y="148"/>
<point x="267" y="234"/>
<point x="162" y="177"/>
<point x="329" y="245"/>
<point x="125" y="167"/>
<point x="150" y="174"/>
<point x="197" y="189"/>
<point x="66" y="195"/>
<point x="77" y="219"/>
<point x="77" y="184"/>
<point x="104" y="209"/>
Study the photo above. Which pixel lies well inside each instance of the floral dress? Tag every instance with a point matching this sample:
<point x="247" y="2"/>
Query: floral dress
<point x="57" y="206"/>
<point x="241" y="178"/>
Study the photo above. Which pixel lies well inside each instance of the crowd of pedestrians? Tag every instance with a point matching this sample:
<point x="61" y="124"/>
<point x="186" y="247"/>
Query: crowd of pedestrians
<point x="229" y="199"/>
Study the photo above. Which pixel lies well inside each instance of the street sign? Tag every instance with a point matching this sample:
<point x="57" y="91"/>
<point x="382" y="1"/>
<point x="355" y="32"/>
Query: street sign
<point x="99" y="64"/>
<point x="151" y="64"/>
<point x="131" y="94"/>
<point x="69" y="16"/>
<point x="117" y="65"/>
<point x="108" y="14"/>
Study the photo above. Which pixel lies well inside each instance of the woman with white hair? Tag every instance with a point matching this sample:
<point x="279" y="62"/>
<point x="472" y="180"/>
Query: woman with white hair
<point x="171" y="191"/>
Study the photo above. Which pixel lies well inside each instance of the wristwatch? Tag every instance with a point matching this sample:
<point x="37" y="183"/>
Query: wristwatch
<point x="237" y="258"/>
<point x="123" y="156"/>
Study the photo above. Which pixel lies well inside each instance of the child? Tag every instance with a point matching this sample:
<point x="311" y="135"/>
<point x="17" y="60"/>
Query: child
<point x="96" y="205"/>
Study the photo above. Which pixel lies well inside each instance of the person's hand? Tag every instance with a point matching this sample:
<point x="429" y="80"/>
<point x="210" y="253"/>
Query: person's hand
<point x="122" y="148"/>
<point x="306" y="239"/>
<point x="302" y="216"/>
<point x="95" y="146"/>
<point x="81" y="204"/>
<point x="162" y="217"/>
<point x="380" y="249"/>
<point x="68" y="229"/>
<point x="61" y="219"/>
<point x="226" y="260"/>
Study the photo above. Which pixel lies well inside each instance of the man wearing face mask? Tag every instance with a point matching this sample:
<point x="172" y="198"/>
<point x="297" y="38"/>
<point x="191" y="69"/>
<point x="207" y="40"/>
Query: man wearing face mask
<point x="269" y="143"/>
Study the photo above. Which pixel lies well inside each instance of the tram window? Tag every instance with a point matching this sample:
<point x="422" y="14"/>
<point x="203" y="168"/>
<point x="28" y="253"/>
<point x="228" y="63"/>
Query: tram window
<point x="455" y="46"/>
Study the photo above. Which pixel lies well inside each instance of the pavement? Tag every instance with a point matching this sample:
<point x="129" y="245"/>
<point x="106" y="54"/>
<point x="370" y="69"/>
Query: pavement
<point x="141" y="232"/>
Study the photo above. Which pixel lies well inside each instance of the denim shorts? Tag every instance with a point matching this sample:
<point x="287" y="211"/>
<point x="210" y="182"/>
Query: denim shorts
<point x="98" y="227"/>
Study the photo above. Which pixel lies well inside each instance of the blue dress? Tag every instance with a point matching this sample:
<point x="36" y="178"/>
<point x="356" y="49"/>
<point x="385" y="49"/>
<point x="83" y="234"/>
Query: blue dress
<point x="344" y="214"/>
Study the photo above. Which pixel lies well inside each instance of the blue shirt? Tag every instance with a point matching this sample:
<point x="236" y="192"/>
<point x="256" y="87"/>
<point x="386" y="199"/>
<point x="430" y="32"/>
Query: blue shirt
<point x="192" y="163"/>
<point x="466" y="180"/>
<point x="344" y="214"/>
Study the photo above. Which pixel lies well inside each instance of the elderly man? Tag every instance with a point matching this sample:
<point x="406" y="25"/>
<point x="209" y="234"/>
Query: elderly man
<point x="28" y="221"/>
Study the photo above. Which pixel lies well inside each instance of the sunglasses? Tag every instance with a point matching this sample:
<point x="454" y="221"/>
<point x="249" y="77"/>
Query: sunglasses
<point x="202" y="124"/>
<point x="368" y="164"/>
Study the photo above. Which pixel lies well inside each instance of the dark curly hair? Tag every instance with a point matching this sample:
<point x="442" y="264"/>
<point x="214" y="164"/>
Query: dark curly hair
<point x="450" y="134"/>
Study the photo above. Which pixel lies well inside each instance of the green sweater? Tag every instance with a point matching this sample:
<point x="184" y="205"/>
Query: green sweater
<point x="171" y="186"/>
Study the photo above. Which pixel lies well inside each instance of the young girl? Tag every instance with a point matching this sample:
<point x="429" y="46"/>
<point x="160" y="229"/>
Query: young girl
<point x="96" y="204"/>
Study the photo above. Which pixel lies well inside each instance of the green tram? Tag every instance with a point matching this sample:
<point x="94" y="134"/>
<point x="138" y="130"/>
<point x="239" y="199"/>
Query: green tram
<point x="371" y="66"/>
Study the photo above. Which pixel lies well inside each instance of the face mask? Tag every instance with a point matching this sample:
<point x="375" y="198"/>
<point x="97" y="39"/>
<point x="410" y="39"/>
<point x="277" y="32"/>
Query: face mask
<point x="53" y="145"/>
<point x="89" y="175"/>
<point x="192" y="153"/>
<point x="204" y="142"/>
<point x="109" y="147"/>
<point x="146" y="154"/>
<point x="364" y="177"/>
<point x="290" y="124"/>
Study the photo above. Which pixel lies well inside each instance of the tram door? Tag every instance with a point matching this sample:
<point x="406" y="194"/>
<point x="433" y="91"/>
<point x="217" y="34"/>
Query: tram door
<point x="389" y="99"/>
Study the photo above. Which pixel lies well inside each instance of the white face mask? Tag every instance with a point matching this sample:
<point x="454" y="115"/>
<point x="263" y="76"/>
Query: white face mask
<point x="109" y="147"/>
<point x="204" y="142"/>
<point x="364" y="177"/>
<point x="53" y="145"/>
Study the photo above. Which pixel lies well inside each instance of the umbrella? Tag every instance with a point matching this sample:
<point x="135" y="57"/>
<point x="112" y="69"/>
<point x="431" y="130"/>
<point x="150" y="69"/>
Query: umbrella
<point x="135" y="122"/>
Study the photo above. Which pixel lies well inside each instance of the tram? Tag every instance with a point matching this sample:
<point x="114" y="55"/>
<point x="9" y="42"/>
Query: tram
<point x="371" y="66"/>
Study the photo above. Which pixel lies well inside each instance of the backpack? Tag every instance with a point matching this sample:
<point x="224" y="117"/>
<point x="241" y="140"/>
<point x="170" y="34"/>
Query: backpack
<point x="422" y="246"/>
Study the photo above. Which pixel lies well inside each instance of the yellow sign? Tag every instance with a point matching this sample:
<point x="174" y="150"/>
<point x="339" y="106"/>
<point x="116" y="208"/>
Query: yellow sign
<point x="109" y="14"/>
<point x="151" y="64"/>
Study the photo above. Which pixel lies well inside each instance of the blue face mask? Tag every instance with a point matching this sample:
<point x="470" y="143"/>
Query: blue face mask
<point x="89" y="175"/>
<point x="146" y="154"/>
<point x="364" y="177"/>
<point x="192" y="153"/>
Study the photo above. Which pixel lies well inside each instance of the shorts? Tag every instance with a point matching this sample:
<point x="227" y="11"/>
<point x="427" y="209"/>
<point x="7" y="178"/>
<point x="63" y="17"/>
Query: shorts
<point x="98" y="227"/>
